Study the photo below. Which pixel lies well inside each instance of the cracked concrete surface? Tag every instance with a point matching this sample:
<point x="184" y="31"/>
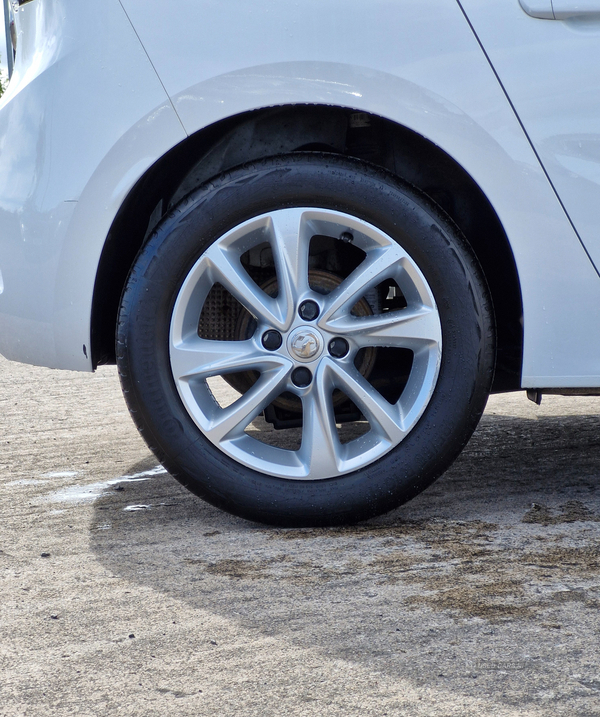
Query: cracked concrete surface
<point x="121" y="593"/>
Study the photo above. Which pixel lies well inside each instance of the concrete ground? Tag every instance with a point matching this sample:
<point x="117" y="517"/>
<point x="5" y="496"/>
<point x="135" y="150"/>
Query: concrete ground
<point x="123" y="594"/>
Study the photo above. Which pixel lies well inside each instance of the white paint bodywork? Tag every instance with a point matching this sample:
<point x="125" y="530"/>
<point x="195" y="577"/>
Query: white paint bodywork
<point x="551" y="72"/>
<point x="102" y="90"/>
<point x="84" y="116"/>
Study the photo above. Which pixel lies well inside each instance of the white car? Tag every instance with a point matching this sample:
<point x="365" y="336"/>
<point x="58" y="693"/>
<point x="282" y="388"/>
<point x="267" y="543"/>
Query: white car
<point x="322" y="232"/>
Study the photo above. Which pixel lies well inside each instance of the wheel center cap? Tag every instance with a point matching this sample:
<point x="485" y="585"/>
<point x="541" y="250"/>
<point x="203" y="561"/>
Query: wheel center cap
<point x="305" y="344"/>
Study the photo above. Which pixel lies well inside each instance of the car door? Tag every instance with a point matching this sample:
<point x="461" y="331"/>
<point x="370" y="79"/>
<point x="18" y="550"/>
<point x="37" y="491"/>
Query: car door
<point x="546" y="54"/>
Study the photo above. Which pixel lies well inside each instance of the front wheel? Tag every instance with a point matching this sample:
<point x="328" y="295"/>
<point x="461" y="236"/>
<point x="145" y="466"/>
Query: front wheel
<point x="306" y="341"/>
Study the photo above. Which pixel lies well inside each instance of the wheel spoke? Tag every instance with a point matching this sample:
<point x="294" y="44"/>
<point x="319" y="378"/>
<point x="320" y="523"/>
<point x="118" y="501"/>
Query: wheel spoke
<point x="230" y="422"/>
<point x="404" y="328"/>
<point x="195" y="361"/>
<point x="320" y="443"/>
<point x="384" y="418"/>
<point x="290" y="250"/>
<point x="201" y="358"/>
<point x="379" y="265"/>
<point x="227" y="269"/>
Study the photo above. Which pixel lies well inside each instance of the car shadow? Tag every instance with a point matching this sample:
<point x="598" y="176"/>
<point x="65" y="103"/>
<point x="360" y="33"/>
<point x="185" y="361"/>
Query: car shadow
<point x="402" y="592"/>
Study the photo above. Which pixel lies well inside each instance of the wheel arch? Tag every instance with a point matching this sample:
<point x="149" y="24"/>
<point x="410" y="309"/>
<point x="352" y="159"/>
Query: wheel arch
<point x="261" y="133"/>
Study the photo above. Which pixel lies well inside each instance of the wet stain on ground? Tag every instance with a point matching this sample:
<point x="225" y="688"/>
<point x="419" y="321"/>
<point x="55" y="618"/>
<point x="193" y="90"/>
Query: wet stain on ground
<point x="461" y="569"/>
<point x="570" y="512"/>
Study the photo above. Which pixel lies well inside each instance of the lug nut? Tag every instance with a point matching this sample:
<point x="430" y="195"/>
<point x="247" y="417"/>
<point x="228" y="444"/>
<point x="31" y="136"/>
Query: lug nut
<point x="309" y="310"/>
<point x="338" y="347"/>
<point x="301" y="377"/>
<point x="271" y="340"/>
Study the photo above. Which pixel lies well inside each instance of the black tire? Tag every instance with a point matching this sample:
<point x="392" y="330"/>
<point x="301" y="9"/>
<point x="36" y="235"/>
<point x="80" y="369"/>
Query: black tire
<point x="373" y="196"/>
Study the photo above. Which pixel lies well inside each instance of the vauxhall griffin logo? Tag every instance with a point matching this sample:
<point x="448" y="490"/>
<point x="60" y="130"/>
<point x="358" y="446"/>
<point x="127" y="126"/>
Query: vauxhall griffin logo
<point x="305" y="344"/>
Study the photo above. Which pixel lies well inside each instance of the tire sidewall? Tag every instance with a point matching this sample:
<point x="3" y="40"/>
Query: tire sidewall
<point x="374" y="196"/>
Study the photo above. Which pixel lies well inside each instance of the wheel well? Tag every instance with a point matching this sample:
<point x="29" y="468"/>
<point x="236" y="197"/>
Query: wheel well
<point x="282" y="130"/>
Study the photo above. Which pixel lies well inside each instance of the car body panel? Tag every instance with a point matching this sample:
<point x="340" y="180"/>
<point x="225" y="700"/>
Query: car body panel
<point x="69" y="156"/>
<point x="417" y="63"/>
<point x="551" y="72"/>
